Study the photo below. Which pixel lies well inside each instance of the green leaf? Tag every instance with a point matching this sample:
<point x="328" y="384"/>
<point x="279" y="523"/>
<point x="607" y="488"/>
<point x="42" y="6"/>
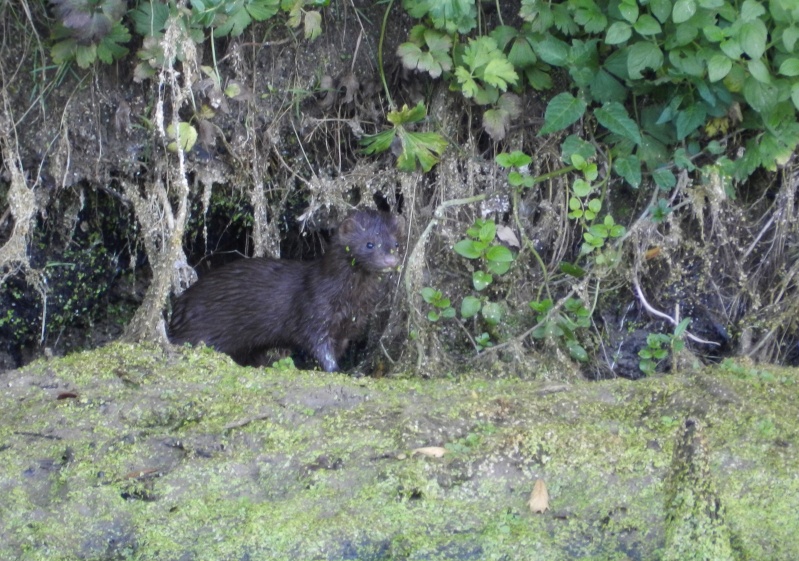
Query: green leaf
<point x="499" y="72"/>
<point x="759" y="71"/>
<point x="481" y="279"/>
<point x="629" y="10"/>
<point x="588" y="15"/>
<point x="618" y="33"/>
<point x="571" y="270"/>
<point x="234" y="25"/>
<point x="613" y="116"/>
<point x="426" y="147"/>
<point x="629" y="167"/>
<point x="795" y="95"/>
<point x="516" y="159"/>
<point x="718" y="67"/>
<point x="187" y="136"/>
<point x="790" y="67"/>
<point x="664" y="179"/>
<point x="261" y="10"/>
<point x="647" y="25"/>
<point x="492" y="313"/>
<point x="430" y="295"/>
<point x="448" y="313"/>
<point x="789" y="37"/>
<point x="642" y="55"/>
<point x="683" y="11"/>
<point x="467" y="249"/>
<point x="753" y="37"/>
<point x="661" y="9"/>
<point x="581" y="188"/>
<point x="690" y="119"/>
<point x="499" y="254"/>
<point x="751" y="10"/>
<point x="470" y="306"/>
<point x="576" y="351"/>
<point x="380" y="142"/>
<point x="562" y="110"/>
<point x="498" y="267"/>
<point x="85" y="55"/>
<point x="552" y="51"/>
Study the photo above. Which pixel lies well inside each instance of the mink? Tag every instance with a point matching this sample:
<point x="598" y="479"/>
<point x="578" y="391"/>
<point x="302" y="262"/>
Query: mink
<point x="319" y="306"/>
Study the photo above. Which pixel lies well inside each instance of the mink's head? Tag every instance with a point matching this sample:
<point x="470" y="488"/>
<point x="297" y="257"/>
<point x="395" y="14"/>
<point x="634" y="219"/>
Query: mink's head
<point x="369" y="239"/>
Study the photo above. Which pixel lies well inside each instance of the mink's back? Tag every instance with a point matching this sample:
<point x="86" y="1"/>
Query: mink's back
<point x="316" y="306"/>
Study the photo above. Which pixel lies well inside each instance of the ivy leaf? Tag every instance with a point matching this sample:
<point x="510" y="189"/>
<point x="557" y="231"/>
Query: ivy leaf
<point x="562" y="110"/>
<point x="613" y="116"/>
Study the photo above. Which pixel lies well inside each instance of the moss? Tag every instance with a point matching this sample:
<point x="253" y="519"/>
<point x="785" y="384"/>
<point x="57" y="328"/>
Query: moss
<point x="166" y="455"/>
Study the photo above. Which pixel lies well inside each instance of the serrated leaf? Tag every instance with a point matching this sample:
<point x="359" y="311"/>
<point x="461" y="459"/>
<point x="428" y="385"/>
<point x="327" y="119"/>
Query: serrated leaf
<point x="313" y="25"/>
<point x="690" y="119"/>
<point x="562" y="110"/>
<point x="499" y="73"/>
<point x="629" y="167"/>
<point x="664" y="179"/>
<point x="379" y="142"/>
<point x="613" y="116"/>
<point x="426" y="147"/>
<point x="618" y="33"/>
<point x="85" y="55"/>
<point x="642" y="55"/>
<point x="261" y="10"/>
<point x="552" y="51"/>
<point x="753" y="37"/>
<point x="718" y="67"/>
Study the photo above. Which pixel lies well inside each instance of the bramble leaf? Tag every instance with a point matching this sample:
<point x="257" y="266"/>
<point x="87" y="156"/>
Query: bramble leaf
<point x="562" y="110"/>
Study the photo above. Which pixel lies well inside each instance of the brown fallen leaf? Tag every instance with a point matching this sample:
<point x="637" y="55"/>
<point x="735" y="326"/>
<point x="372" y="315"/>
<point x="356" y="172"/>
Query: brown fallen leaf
<point x="432" y="451"/>
<point x="539" y="498"/>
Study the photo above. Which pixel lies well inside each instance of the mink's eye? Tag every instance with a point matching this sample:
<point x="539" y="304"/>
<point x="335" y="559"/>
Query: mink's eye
<point x="370" y="245"/>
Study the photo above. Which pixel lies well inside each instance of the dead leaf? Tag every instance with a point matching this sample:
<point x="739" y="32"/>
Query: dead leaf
<point x="432" y="451"/>
<point x="508" y="236"/>
<point x="326" y="85"/>
<point x="539" y="498"/>
<point x="352" y="85"/>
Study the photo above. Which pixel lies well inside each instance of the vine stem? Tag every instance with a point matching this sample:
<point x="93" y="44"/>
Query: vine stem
<point x="380" y="55"/>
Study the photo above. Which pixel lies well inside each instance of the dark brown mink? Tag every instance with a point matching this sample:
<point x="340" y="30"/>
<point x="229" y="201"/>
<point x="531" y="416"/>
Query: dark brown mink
<point x="253" y="305"/>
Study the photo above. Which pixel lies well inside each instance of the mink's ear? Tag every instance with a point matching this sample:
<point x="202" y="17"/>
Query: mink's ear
<point x="348" y="226"/>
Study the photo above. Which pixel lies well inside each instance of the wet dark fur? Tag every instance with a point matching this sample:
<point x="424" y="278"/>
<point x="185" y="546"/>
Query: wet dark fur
<point x="317" y="306"/>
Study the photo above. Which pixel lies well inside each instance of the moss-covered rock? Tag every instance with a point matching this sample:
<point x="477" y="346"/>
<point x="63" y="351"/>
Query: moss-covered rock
<point x="131" y="452"/>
